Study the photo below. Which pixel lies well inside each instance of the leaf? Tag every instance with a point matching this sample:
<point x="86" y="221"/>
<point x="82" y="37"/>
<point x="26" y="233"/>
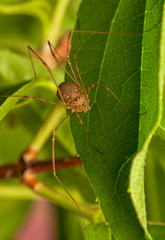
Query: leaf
<point x="118" y="62"/>
<point x="157" y="231"/>
<point x="16" y="73"/>
<point x="161" y="130"/>
<point x="9" y="103"/>
<point x="98" y="231"/>
<point x="154" y="69"/>
<point x="155" y="176"/>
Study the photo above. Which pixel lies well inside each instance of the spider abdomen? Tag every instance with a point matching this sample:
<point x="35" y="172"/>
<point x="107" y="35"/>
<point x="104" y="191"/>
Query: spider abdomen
<point x="74" y="97"/>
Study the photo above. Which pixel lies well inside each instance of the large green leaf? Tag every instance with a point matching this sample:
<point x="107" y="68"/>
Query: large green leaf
<point x="155" y="176"/>
<point x="98" y="231"/>
<point x="157" y="231"/>
<point x="152" y="80"/>
<point x="129" y="66"/>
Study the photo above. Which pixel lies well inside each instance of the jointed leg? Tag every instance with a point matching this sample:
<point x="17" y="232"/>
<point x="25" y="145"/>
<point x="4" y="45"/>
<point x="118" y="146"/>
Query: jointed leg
<point x="46" y="65"/>
<point x="68" y="59"/>
<point x="54" y="167"/>
<point x="100" y="86"/>
<point x="53" y="144"/>
<point x="76" y="64"/>
<point x="56" y="59"/>
<point x="35" y="98"/>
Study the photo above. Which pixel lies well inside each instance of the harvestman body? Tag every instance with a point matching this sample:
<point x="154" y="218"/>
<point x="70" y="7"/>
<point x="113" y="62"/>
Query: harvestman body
<point x="72" y="94"/>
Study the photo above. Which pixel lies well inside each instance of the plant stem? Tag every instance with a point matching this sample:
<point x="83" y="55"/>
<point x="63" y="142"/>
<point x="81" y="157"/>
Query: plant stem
<point x="15" y="169"/>
<point x="57" y="197"/>
<point x="46" y="129"/>
<point x="16" y="192"/>
<point x="65" y="202"/>
<point x="52" y="32"/>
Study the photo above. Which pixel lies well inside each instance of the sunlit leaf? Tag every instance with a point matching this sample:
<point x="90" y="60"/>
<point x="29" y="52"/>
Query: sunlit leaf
<point x="129" y="66"/>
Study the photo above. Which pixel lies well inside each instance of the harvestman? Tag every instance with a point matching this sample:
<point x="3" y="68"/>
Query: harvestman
<point x="72" y="94"/>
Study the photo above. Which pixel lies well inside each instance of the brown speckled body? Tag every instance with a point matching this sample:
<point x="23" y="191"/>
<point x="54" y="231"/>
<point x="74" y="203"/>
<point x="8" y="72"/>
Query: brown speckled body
<point x="74" y="97"/>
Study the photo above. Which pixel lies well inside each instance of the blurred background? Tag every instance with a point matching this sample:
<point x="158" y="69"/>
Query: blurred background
<point x="22" y="214"/>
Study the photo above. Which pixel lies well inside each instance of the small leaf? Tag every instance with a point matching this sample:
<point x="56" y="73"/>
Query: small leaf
<point x="9" y="103"/>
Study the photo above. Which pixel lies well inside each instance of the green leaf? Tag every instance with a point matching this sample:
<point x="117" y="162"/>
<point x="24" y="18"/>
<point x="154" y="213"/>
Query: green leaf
<point x="98" y="231"/>
<point x="161" y="130"/>
<point x="120" y="62"/>
<point x="157" y="231"/>
<point x="9" y="103"/>
<point x="155" y="176"/>
<point x="15" y="73"/>
<point x="151" y="96"/>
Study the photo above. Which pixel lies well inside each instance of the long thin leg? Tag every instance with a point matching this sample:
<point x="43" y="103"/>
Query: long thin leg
<point x="56" y="59"/>
<point x="76" y="64"/>
<point x="74" y="54"/>
<point x="54" y="167"/>
<point x="104" y="87"/>
<point x="115" y="33"/>
<point x="35" y="98"/>
<point x="55" y="50"/>
<point x="46" y="65"/>
<point x="81" y="122"/>
<point x="68" y="58"/>
<point x="107" y="33"/>
<point x="31" y="59"/>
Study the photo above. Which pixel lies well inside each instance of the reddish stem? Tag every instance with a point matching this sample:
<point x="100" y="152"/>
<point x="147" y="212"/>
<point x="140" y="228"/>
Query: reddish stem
<point x="16" y="169"/>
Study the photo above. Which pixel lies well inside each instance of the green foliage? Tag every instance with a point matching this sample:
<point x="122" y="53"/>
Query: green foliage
<point x="131" y="63"/>
<point x="132" y="66"/>
<point x="98" y="231"/>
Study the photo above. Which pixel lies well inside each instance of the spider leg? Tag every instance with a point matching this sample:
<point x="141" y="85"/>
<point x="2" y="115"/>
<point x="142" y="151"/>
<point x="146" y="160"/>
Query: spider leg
<point x="104" y="87"/>
<point x="46" y="65"/>
<point x="54" y="166"/>
<point x="35" y="98"/>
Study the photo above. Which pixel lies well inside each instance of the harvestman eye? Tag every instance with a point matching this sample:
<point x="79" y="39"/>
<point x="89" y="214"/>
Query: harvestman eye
<point x="73" y="96"/>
